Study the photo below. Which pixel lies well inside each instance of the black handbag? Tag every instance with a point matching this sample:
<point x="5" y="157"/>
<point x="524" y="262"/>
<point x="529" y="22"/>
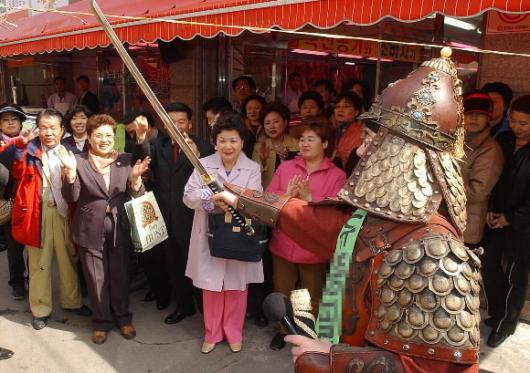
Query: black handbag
<point x="228" y="241"/>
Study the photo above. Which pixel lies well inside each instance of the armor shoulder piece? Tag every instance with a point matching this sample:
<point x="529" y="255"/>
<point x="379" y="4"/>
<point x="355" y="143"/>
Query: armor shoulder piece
<point x="426" y="300"/>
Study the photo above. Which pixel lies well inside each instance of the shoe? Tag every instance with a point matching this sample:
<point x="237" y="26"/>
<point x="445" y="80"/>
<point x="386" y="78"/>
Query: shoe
<point x="277" y="342"/>
<point x="99" y="336"/>
<point x="128" y="331"/>
<point x="5" y="353"/>
<point x="495" y="339"/>
<point x="150" y="296"/>
<point x="3" y="246"/>
<point x="162" y="304"/>
<point x="178" y="316"/>
<point x="491" y="322"/>
<point x="19" y="292"/>
<point x="81" y="311"/>
<point x="39" y="322"/>
<point x="207" y="347"/>
<point x="235" y="347"/>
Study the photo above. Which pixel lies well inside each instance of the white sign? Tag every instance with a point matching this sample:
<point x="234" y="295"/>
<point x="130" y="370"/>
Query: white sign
<point x="45" y="4"/>
<point x="6" y="6"/>
<point x="502" y="23"/>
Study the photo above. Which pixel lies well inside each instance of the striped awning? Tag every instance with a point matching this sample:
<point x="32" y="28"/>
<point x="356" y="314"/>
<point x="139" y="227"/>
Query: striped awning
<point x="73" y="26"/>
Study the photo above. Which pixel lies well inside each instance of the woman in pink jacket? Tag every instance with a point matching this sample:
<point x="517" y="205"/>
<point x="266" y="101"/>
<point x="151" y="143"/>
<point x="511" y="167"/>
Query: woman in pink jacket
<point x="313" y="177"/>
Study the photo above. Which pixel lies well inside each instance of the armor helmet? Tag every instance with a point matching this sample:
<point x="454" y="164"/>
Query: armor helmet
<point x="410" y="168"/>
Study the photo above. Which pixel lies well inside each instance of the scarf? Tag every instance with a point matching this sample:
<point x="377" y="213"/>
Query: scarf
<point x="101" y="164"/>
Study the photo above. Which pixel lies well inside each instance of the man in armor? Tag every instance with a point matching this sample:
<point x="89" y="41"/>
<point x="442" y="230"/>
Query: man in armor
<point x="410" y="300"/>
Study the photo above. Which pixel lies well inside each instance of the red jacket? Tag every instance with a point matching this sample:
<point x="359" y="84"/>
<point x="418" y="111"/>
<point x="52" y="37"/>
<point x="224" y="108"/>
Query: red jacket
<point x="27" y="207"/>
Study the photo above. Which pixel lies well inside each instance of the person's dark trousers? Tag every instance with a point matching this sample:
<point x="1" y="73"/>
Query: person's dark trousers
<point x="176" y="257"/>
<point x="258" y="292"/>
<point x="155" y="270"/>
<point x="506" y="285"/>
<point x="15" y="259"/>
<point x="107" y="281"/>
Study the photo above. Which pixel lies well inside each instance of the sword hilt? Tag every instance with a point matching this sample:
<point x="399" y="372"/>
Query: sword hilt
<point x="216" y="187"/>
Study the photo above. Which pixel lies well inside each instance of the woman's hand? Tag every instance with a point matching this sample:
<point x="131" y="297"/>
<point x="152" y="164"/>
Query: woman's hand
<point x="139" y="168"/>
<point x="292" y="186"/>
<point x="304" y="191"/>
<point x="141" y="128"/>
<point x="264" y="152"/>
<point x="224" y="199"/>
<point x="68" y="164"/>
<point x="303" y="344"/>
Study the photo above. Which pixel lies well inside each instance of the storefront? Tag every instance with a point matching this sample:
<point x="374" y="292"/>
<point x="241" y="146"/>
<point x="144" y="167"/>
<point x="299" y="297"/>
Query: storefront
<point x="209" y="43"/>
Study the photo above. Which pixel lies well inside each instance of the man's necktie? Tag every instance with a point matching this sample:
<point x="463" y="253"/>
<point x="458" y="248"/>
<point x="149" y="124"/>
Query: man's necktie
<point x="176" y="152"/>
<point x="54" y="167"/>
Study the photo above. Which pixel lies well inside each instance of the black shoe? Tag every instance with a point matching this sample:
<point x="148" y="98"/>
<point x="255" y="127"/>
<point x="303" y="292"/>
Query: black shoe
<point x="277" y="342"/>
<point x="491" y="322"/>
<point x="5" y="353"/>
<point x="81" y="311"/>
<point x="150" y="296"/>
<point x="3" y="246"/>
<point x="39" y="322"/>
<point x="19" y="292"/>
<point x="495" y="339"/>
<point x="162" y="304"/>
<point x="178" y="316"/>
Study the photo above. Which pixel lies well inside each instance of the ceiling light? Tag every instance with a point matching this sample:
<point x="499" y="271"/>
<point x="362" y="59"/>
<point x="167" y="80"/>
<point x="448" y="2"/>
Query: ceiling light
<point x="304" y="51"/>
<point x="353" y="56"/>
<point x="350" y="63"/>
<point x="459" y="24"/>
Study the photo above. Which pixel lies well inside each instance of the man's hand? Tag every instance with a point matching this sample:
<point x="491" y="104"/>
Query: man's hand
<point x="141" y="128"/>
<point x="303" y="344"/>
<point x="497" y="221"/>
<point x="224" y="199"/>
<point x="68" y="163"/>
<point x="191" y="144"/>
<point x="26" y="135"/>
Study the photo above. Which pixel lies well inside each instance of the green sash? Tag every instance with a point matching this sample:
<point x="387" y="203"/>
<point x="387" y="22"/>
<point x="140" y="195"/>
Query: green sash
<point x="329" y="322"/>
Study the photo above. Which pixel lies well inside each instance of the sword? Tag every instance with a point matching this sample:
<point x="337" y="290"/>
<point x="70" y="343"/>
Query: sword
<point x="173" y="132"/>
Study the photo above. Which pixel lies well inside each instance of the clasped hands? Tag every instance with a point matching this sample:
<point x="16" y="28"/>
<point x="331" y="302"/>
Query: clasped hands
<point x="298" y="186"/>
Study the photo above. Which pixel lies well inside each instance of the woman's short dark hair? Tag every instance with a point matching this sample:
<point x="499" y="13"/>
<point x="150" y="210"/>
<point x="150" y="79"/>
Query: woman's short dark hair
<point x="326" y="83"/>
<point x="227" y="122"/>
<point x="217" y="105"/>
<point x="367" y="92"/>
<point x="311" y="95"/>
<point x="521" y="104"/>
<point x="353" y="98"/>
<point x="275" y="107"/>
<point x="73" y="112"/>
<point x="249" y="98"/>
<point x="323" y="127"/>
<point x="246" y="78"/>
<point x="98" y="120"/>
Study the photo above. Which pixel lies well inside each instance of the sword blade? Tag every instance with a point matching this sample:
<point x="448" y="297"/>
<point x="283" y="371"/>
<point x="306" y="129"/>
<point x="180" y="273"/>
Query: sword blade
<point x="172" y="130"/>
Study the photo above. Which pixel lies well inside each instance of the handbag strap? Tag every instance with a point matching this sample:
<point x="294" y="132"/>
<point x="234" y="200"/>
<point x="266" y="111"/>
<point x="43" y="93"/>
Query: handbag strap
<point x="329" y="322"/>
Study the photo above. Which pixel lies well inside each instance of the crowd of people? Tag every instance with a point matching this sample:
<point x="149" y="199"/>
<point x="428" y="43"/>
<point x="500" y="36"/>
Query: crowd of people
<point x="69" y="181"/>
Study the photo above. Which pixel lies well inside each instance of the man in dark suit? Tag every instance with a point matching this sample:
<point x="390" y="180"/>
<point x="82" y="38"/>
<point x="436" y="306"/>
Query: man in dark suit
<point x="87" y="98"/>
<point x="171" y="170"/>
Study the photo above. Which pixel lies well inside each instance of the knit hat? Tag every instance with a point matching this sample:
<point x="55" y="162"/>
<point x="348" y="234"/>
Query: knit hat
<point x="478" y="102"/>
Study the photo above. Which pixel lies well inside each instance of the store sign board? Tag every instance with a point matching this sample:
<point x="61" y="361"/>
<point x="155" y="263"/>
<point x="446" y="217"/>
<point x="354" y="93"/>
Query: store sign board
<point x="406" y="53"/>
<point x="360" y="48"/>
<point x="353" y="47"/>
<point x="6" y="6"/>
<point x="502" y="23"/>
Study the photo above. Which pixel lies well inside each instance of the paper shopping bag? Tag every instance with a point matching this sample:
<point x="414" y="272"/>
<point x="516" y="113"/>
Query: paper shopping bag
<point x="148" y="228"/>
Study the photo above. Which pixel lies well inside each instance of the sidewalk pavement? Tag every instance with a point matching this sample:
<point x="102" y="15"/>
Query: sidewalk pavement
<point x="65" y="345"/>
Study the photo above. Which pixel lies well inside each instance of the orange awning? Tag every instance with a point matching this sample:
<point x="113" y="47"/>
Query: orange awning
<point x="53" y="31"/>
